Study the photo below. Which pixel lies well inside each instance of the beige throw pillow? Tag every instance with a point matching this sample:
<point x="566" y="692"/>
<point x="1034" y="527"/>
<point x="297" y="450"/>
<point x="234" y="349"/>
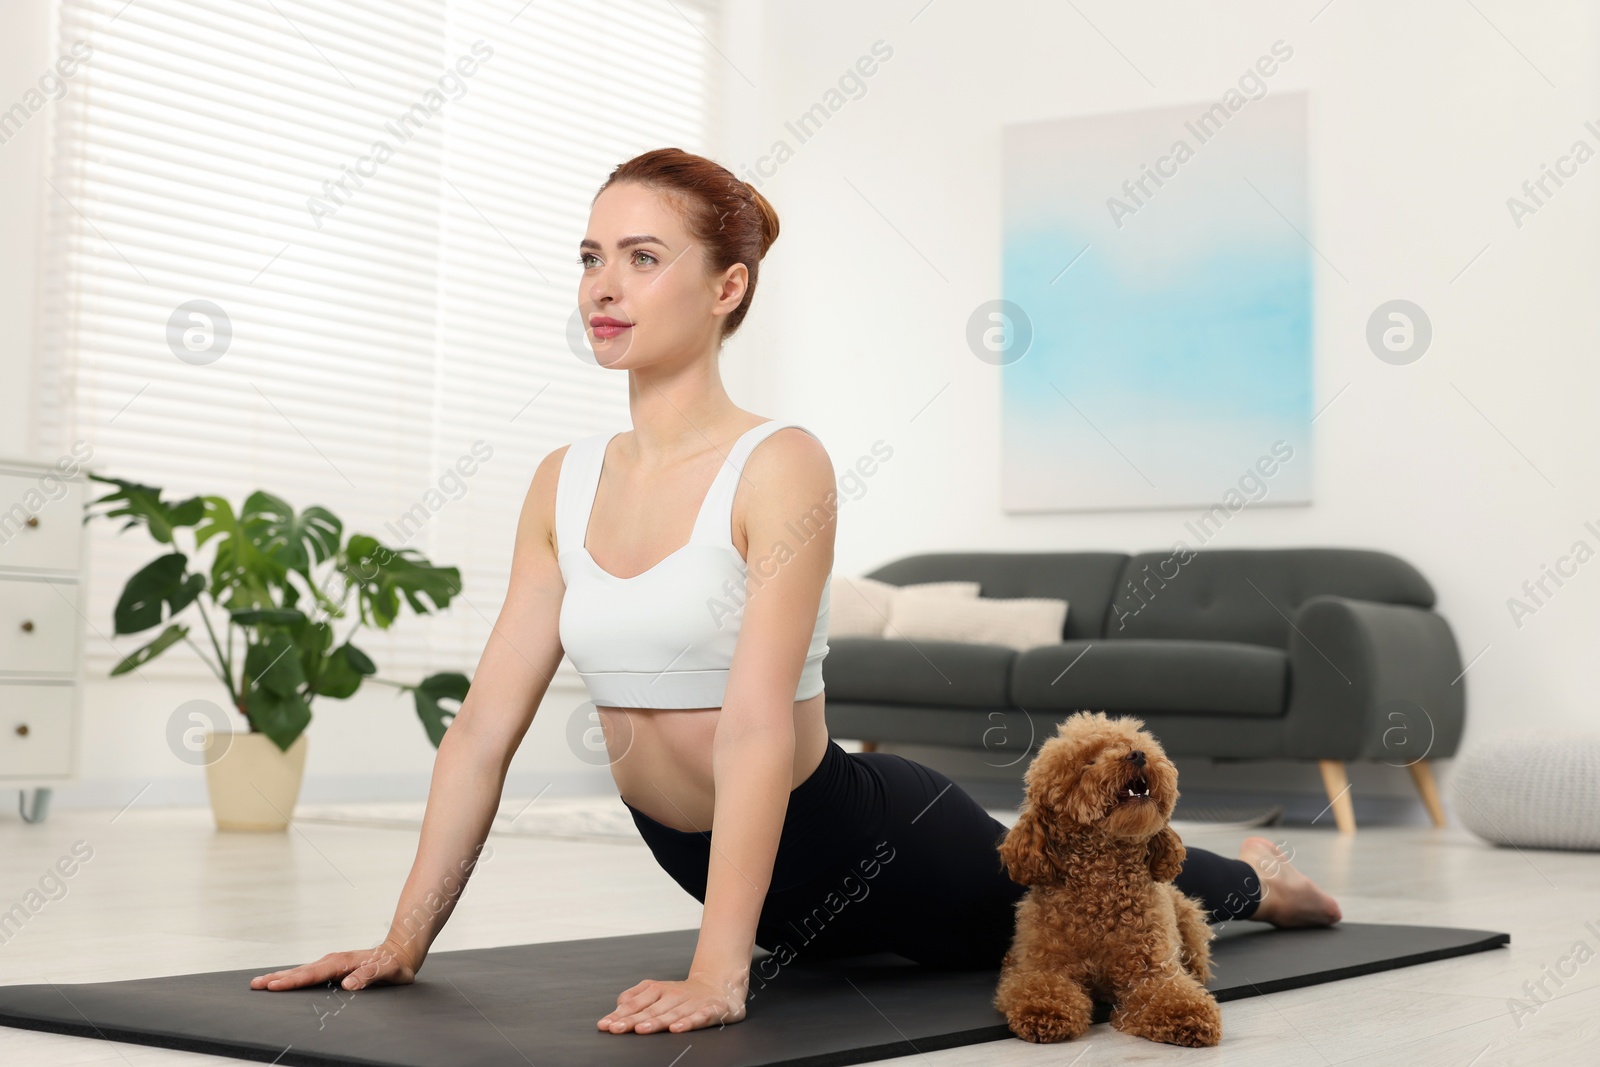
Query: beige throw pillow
<point x="859" y="607"/>
<point x="1020" y="623"/>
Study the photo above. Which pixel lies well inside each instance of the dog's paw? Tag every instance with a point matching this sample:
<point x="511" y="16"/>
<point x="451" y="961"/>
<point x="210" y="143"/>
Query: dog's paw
<point x="1044" y="1025"/>
<point x="1195" y="1032"/>
<point x="1192" y="1026"/>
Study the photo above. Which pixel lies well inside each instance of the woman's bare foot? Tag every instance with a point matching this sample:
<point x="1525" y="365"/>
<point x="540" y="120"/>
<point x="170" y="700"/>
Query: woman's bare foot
<point x="1288" y="898"/>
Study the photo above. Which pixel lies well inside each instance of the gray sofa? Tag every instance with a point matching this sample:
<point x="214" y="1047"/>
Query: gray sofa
<point x="1325" y="654"/>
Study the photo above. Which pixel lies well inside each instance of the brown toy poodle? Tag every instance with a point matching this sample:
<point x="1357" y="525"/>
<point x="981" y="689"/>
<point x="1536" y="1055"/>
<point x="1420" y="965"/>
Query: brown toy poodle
<point x="1101" y="918"/>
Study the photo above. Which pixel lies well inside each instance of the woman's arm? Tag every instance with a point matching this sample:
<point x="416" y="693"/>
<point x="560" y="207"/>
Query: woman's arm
<point x="789" y="519"/>
<point x="469" y="770"/>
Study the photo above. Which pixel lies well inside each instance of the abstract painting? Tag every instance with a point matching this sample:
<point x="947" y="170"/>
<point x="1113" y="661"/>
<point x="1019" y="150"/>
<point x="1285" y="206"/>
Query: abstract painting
<point x="1155" y="329"/>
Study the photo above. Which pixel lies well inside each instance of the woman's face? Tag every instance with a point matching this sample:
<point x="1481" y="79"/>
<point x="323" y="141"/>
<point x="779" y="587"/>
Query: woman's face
<point x="642" y="268"/>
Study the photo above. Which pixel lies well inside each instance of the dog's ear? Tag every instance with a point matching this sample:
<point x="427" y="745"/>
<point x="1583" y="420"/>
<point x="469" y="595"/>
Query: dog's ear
<point x="1026" y="850"/>
<point x="1165" y="854"/>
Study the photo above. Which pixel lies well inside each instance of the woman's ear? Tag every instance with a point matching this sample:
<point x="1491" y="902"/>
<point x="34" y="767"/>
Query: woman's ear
<point x="1026" y="850"/>
<point x="1165" y="854"/>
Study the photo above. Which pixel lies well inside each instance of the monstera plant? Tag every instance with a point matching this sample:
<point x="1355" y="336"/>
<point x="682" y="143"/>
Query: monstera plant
<point x="281" y="580"/>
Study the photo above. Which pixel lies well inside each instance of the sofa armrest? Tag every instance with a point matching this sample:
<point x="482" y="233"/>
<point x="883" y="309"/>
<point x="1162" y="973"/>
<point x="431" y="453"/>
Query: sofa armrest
<point x="1372" y="681"/>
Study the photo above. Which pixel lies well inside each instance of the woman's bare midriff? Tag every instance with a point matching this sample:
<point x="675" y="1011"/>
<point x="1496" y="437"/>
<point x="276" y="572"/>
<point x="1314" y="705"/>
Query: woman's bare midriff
<point x="661" y="757"/>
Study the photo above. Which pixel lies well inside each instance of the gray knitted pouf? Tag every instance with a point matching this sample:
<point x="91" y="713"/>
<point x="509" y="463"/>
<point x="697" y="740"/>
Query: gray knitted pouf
<point x="1538" y="790"/>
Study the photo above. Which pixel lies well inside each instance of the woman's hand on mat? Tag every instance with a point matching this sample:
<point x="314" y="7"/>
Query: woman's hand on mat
<point x="677" y="1007"/>
<point x="388" y="964"/>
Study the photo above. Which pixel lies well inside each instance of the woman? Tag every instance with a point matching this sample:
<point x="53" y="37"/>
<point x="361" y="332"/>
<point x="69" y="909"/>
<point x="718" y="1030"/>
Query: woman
<point x="704" y="660"/>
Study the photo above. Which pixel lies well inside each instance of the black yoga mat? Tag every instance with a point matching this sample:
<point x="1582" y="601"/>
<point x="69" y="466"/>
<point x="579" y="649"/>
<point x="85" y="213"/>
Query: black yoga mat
<point x="527" y="1004"/>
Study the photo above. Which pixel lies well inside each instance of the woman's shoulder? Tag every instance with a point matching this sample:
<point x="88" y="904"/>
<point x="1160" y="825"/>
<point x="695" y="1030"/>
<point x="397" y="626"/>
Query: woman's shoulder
<point x="790" y="441"/>
<point x="793" y="460"/>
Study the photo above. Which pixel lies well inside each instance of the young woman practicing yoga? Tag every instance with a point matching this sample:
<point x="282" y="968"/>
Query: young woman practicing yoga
<point x="684" y="567"/>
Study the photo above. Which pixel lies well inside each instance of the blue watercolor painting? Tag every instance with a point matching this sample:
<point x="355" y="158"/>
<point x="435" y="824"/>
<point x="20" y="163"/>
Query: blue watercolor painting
<point x="1163" y="260"/>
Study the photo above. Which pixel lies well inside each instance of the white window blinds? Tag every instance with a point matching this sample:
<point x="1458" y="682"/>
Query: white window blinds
<point x="330" y="251"/>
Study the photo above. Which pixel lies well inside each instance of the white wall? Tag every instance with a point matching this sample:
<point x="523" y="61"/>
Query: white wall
<point x="1423" y="121"/>
<point x="26" y="52"/>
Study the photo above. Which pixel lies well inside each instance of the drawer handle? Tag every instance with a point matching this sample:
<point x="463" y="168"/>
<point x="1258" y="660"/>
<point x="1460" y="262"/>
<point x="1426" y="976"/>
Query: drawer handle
<point x="32" y="520"/>
<point x="22" y="729"/>
<point x="27" y="626"/>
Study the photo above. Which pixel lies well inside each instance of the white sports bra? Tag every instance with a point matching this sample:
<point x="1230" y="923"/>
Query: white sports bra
<point x="663" y="638"/>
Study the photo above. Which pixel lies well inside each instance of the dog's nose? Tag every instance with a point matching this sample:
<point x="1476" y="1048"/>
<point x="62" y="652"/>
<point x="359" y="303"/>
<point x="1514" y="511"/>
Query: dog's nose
<point x="1136" y="758"/>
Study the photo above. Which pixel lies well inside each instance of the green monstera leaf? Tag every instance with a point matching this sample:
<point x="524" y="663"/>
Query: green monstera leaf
<point x="143" y="503"/>
<point x="343" y="671"/>
<point x="242" y="575"/>
<point x="436" y="718"/>
<point x="293" y="542"/>
<point x="163" y="581"/>
<point x="272" y="682"/>
<point x="290" y="617"/>
<point x="168" y="637"/>
<point x="383" y="575"/>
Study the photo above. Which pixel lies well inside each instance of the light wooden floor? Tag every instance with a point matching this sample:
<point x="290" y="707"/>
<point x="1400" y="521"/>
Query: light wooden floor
<point x="164" y="893"/>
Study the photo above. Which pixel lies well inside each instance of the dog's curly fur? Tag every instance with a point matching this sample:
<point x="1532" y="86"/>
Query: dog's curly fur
<point x="1101" y="917"/>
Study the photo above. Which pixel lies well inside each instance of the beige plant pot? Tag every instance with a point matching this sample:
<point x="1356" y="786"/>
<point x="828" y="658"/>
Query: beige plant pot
<point x="253" y="785"/>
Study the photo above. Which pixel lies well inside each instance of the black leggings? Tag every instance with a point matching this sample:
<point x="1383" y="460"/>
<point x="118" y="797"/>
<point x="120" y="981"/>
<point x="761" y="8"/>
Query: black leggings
<point x="881" y="853"/>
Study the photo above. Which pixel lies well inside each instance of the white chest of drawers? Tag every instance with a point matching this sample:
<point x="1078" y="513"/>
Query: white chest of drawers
<point x="43" y="554"/>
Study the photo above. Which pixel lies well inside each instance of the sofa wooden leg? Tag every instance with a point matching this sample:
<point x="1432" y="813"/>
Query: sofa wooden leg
<point x="1337" y="783"/>
<point x="869" y="746"/>
<point x="1422" y="776"/>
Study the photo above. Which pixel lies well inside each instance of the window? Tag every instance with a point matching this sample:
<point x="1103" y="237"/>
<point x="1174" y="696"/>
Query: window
<point x="330" y="250"/>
